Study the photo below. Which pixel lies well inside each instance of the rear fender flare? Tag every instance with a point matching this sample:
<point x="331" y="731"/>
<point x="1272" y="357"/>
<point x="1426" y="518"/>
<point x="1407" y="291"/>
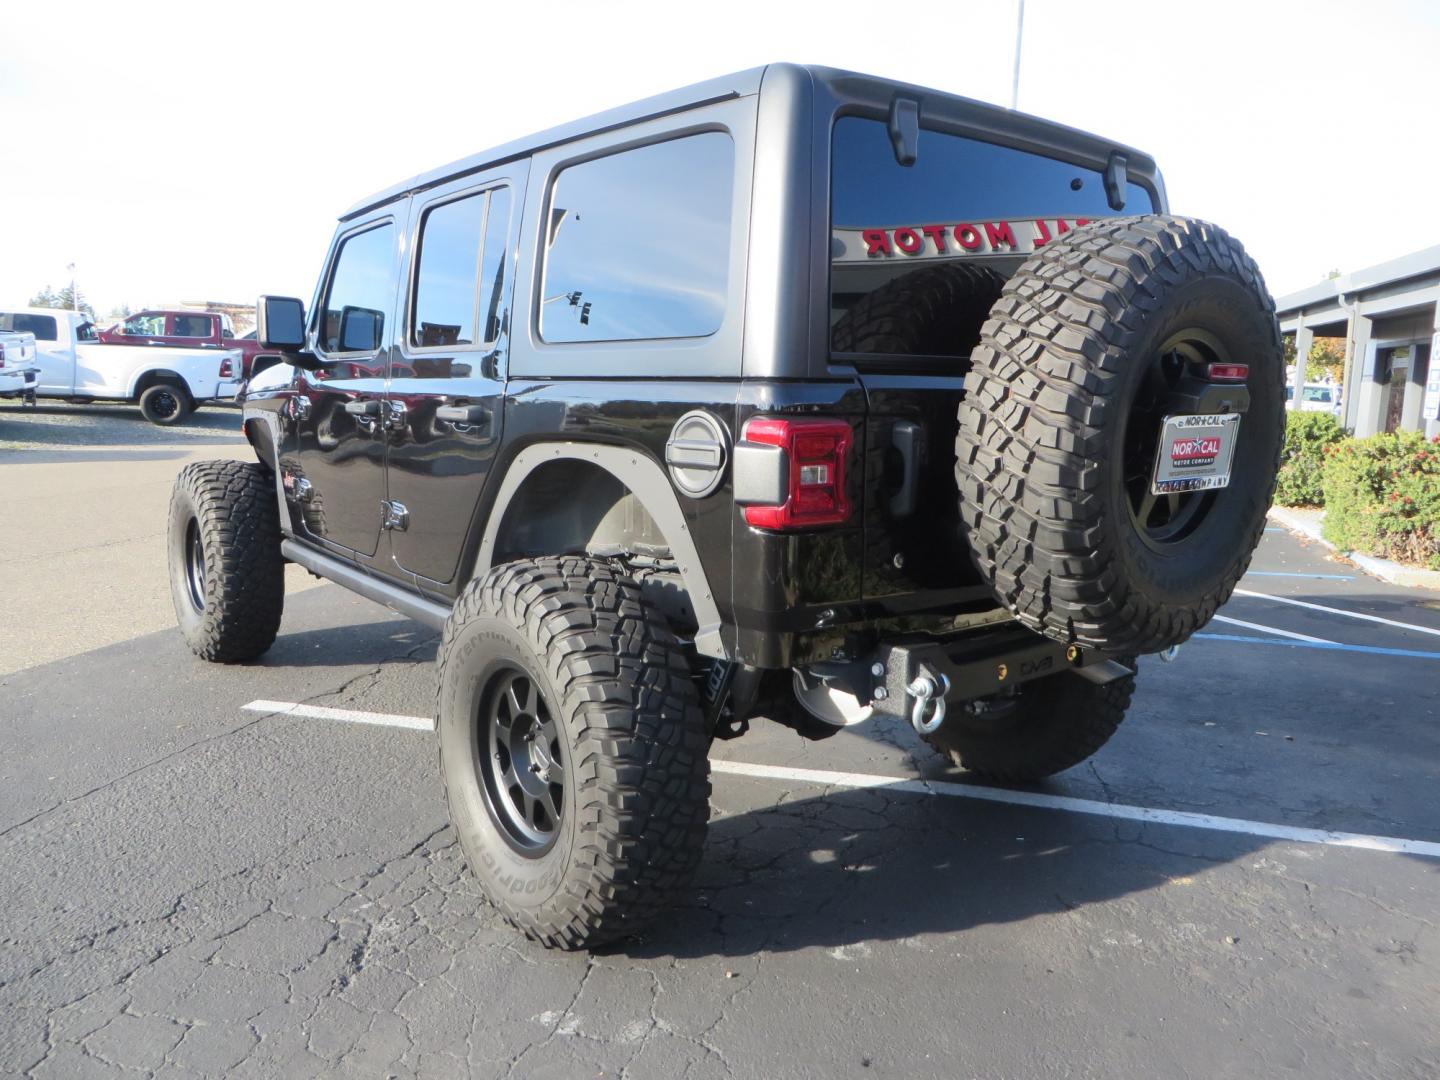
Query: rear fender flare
<point x="648" y="483"/>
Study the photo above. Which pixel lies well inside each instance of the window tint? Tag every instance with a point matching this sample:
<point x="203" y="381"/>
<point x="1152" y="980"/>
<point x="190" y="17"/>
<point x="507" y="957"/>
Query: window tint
<point x="42" y="326"/>
<point x="192" y="325"/>
<point x="639" y="243"/>
<point x="361" y="288"/>
<point x="943" y="233"/>
<point x="460" y="271"/>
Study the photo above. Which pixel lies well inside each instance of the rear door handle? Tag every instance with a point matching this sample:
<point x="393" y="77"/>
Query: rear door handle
<point x="469" y="415"/>
<point x="369" y="408"/>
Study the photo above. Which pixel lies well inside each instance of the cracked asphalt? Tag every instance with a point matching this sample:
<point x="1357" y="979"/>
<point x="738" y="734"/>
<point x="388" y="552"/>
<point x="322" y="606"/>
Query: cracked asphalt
<point x="190" y="889"/>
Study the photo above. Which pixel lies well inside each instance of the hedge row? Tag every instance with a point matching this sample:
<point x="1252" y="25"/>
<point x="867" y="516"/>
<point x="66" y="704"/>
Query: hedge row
<point x="1382" y="496"/>
<point x="1307" y="436"/>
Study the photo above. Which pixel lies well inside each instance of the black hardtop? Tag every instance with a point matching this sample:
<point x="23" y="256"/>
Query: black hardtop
<point x="862" y="93"/>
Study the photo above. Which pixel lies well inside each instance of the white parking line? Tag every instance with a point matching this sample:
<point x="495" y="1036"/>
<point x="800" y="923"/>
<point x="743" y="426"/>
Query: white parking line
<point x="1339" y="611"/>
<point x="826" y="778"/>
<point x="1272" y="630"/>
<point x="319" y="712"/>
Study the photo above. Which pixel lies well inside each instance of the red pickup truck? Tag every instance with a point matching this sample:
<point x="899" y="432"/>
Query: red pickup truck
<point x="192" y="329"/>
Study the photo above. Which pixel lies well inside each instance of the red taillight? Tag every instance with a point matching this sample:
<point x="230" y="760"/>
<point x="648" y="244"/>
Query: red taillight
<point x="227" y="369"/>
<point x="815" y="455"/>
<point x="1229" y="372"/>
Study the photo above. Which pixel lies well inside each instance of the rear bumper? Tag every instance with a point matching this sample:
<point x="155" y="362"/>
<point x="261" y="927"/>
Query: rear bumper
<point x="982" y="663"/>
<point x="17" y="381"/>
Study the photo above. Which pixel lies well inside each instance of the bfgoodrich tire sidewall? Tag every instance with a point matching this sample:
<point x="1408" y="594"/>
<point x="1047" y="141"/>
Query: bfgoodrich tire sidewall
<point x="1190" y="569"/>
<point x="182" y="512"/>
<point x="484" y="647"/>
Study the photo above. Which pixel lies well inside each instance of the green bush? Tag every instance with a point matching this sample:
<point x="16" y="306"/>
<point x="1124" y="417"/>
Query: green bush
<point x="1382" y="497"/>
<point x="1307" y="434"/>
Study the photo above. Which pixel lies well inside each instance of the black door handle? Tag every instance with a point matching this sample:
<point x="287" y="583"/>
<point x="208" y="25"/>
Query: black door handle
<point x="369" y="408"/>
<point x="469" y="415"/>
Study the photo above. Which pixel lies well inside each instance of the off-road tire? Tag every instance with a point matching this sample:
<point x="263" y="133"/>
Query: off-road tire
<point x="236" y="519"/>
<point x="1037" y="730"/>
<point x="1039" y="453"/>
<point x="936" y="310"/>
<point x="636" y="794"/>
<point x="166" y="404"/>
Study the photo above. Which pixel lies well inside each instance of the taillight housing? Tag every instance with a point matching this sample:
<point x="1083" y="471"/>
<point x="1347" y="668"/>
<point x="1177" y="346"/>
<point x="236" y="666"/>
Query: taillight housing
<point x="814" y="455"/>
<point x="227" y="369"/>
<point x="1229" y="372"/>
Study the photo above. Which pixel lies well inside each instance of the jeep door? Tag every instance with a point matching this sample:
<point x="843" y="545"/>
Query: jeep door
<point x="339" y="443"/>
<point x="448" y="364"/>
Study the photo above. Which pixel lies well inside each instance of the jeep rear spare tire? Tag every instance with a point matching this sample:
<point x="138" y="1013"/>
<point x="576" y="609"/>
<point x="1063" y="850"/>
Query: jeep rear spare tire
<point x="1099" y="337"/>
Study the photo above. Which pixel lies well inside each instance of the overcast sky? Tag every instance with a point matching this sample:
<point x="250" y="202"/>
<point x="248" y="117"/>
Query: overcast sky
<point x="203" y="151"/>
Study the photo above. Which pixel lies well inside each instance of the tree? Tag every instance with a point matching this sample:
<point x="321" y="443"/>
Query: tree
<point x="63" y="298"/>
<point x="1327" y="357"/>
<point x="120" y="311"/>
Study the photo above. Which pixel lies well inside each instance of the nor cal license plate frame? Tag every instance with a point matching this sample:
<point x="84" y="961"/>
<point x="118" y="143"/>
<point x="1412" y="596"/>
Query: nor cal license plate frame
<point x="1195" y="453"/>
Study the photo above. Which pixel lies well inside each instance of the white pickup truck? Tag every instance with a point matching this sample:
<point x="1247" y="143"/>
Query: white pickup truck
<point x="18" y="370"/>
<point x="165" y="381"/>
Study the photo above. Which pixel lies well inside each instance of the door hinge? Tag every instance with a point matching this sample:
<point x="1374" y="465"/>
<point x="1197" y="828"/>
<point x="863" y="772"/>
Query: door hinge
<point x="393" y="515"/>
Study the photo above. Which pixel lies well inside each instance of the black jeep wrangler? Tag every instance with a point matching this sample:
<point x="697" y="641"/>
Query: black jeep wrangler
<point x="796" y="393"/>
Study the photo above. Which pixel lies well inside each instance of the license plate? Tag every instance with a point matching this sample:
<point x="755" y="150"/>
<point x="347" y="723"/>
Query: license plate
<point x="1195" y="453"/>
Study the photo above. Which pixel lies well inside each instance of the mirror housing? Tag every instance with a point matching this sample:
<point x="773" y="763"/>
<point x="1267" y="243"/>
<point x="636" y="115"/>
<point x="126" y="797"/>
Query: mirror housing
<point x="361" y="329"/>
<point x="280" y="323"/>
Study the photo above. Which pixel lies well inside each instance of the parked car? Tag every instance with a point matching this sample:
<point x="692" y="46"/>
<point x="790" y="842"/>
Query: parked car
<point x="165" y="381"/>
<point x="19" y="371"/>
<point x="798" y="393"/>
<point x="1316" y="397"/>
<point x="191" y="329"/>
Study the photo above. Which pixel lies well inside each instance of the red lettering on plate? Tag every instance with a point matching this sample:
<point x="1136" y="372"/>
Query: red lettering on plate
<point x="999" y="232"/>
<point x="968" y="235"/>
<point x="1201" y="447"/>
<point x="1042" y="233"/>
<point x="936" y="233"/>
<point x="877" y="242"/>
<point x="908" y="241"/>
<point x="1060" y="227"/>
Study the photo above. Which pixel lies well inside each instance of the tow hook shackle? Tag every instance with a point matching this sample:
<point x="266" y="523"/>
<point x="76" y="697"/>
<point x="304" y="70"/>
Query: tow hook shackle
<point x="927" y="712"/>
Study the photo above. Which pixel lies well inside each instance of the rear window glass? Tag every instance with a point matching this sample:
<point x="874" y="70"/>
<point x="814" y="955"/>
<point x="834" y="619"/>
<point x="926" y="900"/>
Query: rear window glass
<point x="639" y="243"/>
<point x="460" y="279"/>
<point x="42" y="326"/>
<point x="192" y="326"/>
<point x="937" y="239"/>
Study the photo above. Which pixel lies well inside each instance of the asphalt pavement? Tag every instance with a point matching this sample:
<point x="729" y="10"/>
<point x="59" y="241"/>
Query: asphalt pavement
<point x="1241" y="884"/>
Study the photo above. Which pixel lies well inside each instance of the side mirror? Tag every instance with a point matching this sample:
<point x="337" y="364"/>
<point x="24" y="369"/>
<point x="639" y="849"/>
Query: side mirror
<point x="280" y="323"/>
<point x="360" y="329"/>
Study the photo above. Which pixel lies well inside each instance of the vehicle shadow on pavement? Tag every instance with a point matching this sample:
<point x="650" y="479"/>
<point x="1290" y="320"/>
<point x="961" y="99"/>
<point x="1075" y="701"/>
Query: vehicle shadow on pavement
<point x="360" y="643"/>
<point x="857" y="867"/>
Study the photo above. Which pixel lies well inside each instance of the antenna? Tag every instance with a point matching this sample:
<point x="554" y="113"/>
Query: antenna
<point x="1019" y="35"/>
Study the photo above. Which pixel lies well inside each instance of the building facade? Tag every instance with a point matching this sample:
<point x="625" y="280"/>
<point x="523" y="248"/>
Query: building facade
<point x="1389" y="318"/>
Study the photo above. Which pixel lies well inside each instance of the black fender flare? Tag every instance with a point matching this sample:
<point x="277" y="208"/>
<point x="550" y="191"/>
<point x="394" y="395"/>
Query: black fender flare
<point x="649" y="484"/>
